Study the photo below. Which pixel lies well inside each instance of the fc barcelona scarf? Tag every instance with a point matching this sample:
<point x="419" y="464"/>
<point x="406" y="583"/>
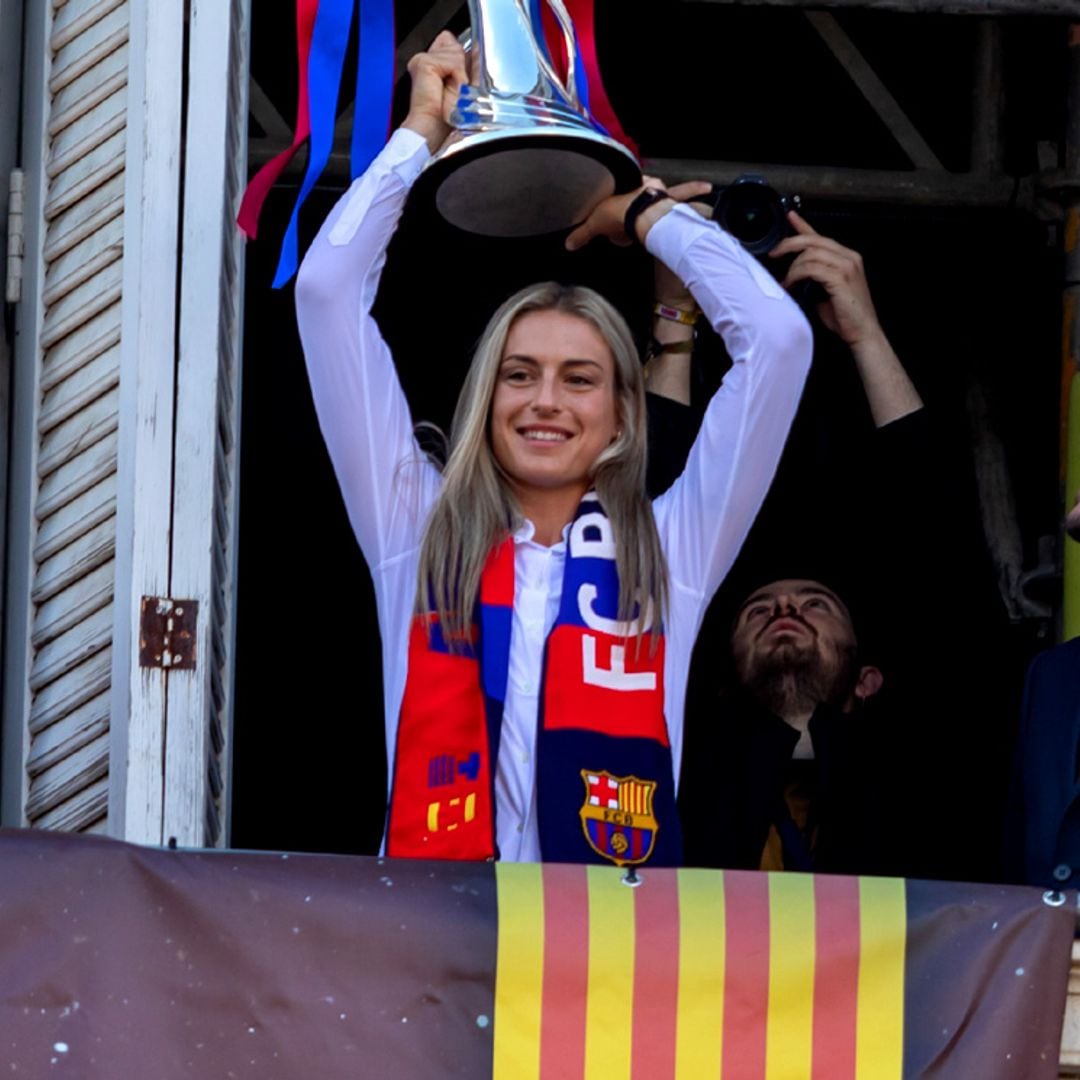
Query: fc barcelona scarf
<point x="605" y="783"/>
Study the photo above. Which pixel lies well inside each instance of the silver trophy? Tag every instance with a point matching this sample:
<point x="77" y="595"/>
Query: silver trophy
<point x="525" y="157"/>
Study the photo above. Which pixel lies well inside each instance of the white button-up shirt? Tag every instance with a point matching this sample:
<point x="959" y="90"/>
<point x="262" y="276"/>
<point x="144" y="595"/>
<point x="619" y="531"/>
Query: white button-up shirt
<point x="389" y="486"/>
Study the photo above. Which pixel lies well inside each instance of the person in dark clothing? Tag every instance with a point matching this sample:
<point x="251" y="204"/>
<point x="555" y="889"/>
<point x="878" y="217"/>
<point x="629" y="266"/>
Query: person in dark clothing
<point x="1043" y="823"/>
<point x="805" y="755"/>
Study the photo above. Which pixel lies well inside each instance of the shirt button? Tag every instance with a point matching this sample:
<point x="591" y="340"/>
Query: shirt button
<point x="521" y="828"/>
<point x="1062" y="872"/>
<point x="529" y="688"/>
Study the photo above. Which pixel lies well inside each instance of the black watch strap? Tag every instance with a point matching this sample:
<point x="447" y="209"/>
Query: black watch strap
<point x="641" y="202"/>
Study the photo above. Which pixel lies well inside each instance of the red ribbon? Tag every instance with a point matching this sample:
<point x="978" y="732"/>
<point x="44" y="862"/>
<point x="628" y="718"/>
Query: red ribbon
<point x="581" y="12"/>
<point x="266" y="177"/>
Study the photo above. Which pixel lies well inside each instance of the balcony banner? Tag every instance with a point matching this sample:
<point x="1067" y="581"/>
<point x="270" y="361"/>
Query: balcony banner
<point x="119" y="961"/>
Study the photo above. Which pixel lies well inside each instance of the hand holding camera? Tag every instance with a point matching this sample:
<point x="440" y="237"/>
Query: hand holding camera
<point x="845" y="304"/>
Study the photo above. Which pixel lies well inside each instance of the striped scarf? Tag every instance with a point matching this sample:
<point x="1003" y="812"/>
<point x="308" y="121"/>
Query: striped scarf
<point x="605" y="784"/>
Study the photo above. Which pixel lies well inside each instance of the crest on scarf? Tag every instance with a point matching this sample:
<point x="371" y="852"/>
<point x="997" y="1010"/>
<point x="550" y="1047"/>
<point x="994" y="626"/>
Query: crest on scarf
<point x="617" y="816"/>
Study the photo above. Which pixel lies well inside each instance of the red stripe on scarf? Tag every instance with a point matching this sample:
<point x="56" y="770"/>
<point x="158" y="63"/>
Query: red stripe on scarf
<point x="442" y="721"/>
<point x="571" y="701"/>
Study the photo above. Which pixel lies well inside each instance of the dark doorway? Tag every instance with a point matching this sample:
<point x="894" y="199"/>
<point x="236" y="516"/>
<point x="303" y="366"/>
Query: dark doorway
<point x="962" y="293"/>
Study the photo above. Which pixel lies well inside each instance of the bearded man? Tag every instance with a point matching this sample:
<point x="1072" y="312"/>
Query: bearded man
<point x="789" y="782"/>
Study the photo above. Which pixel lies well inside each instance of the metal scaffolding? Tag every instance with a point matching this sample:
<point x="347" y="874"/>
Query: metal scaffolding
<point x="1053" y="192"/>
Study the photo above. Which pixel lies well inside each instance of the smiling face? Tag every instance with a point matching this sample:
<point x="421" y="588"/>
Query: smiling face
<point x="794" y="646"/>
<point x="554" y="407"/>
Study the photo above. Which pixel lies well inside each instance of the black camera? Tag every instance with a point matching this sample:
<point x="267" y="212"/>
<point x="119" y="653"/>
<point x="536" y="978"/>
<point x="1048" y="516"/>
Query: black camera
<point x="754" y="213"/>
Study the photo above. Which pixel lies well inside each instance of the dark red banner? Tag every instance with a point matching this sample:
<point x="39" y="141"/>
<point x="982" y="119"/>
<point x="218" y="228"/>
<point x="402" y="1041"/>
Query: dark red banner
<point x="120" y="961"/>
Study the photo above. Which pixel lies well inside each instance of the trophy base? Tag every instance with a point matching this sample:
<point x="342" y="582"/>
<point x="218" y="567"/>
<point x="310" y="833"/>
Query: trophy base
<point x="513" y="183"/>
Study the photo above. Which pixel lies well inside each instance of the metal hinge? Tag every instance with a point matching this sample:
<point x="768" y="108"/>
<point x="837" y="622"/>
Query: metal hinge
<point x="167" y="633"/>
<point x="15" y="237"/>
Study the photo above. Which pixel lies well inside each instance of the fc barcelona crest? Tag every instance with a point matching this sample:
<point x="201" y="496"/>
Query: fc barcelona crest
<point x="617" y="816"/>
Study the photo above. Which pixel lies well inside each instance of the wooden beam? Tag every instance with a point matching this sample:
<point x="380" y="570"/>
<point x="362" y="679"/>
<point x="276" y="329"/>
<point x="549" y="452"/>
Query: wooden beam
<point x="875" y="91"/>
<point x="1067" y="8"/>
<point x="916" y="187"/>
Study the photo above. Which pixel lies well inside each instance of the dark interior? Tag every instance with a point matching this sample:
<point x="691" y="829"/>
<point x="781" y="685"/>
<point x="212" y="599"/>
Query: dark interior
<point x="965" y="294"/>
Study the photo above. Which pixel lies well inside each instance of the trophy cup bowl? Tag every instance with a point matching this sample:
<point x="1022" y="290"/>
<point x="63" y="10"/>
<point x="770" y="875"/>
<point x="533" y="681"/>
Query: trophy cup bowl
<point x="525" y="157"/>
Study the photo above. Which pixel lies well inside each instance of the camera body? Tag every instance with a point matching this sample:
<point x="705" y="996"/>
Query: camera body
<point x="756" y="215"/>
<point x="753" y="212"/>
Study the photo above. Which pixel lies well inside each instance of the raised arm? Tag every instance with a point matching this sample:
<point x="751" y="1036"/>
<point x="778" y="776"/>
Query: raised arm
<point x="385" y="481"/>
<point x="849" y="313"/>
<point x="705" y="516"/>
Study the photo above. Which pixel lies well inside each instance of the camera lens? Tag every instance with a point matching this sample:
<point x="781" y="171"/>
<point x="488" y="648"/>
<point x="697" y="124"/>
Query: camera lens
<point x="752" y="212"/>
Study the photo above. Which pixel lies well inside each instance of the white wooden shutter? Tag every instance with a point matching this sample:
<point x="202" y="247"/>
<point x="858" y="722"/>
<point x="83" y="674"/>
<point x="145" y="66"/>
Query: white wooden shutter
<point x="127" y="406"/>
<point x="69" y="398"/>
<point x="198" y="736"/>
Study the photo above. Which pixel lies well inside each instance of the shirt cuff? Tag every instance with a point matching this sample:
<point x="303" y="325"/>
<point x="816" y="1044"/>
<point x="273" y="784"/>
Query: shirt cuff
<point x="405" y="154"/>
<point x="670" y="236"/>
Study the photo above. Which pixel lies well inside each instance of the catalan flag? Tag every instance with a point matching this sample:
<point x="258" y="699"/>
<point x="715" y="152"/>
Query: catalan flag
<point x="118" y="960"/>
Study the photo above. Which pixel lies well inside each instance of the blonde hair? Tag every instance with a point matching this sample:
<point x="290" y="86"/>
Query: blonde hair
<point x="476" y="508"/>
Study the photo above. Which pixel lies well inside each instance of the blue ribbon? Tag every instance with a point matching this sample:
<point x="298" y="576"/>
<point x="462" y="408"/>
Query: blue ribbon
<point x="329" y="41"/>
<point x="374" y="83"/>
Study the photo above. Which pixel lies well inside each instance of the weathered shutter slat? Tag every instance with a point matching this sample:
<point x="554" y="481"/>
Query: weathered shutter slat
<point x="71" y="395"/>
<point x="72" y="578"/>
<point x="65" y="695"/>
<point x="79" y="728"/>
<point x="74" y="477"/>
<point x="91" y="550"/>
<point x="72" y="648"/>
<point x="76" y="519"/>
<point x="88" y="594"/>
<point x="83" y="814"/>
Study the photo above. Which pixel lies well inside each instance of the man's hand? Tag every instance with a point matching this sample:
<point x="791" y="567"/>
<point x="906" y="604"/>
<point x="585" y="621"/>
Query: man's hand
<point x="437" y="76"/>
<point x="607" y="217"/>
<point x="849" y="311"/>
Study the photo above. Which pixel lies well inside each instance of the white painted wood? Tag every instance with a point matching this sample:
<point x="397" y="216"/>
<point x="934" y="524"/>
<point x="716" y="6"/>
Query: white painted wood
<point x="84" y="345"/>
<point x="66" y="441"/>
<point x="83" y="814"/>
<point x="71" y="649"/>
<point x="79" y="728"/>
<point x="13" y="512"/>
<point x="71" y="479"/>
<point x="207" y="420"/>
<point x="90" y="593"/>
<point x="147" y="369"/>
<point x="76" y="519"/>
<point x="71" y="691"/>
<point x="73" y="394"/>
<point x="61" y="572"/>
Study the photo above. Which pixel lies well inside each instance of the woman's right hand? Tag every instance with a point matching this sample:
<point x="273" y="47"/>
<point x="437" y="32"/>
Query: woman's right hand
<point x="437" y="76"/>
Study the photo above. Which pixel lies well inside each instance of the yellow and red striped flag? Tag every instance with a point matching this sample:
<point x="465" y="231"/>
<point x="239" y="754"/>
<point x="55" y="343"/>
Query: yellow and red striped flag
<point x="751" y="976"/>
<point x="118" y="960"/>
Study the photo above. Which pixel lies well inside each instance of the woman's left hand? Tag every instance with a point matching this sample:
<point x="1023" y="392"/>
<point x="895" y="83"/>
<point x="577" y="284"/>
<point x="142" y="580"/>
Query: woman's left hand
<point x="608" y="216"/>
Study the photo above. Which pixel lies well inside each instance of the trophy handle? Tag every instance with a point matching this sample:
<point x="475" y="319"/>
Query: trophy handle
<point x="570" y="90"/>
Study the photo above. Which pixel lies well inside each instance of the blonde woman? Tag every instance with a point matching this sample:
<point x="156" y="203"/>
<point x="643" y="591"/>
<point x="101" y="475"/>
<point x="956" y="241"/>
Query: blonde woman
<point x="537" y="612"/>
